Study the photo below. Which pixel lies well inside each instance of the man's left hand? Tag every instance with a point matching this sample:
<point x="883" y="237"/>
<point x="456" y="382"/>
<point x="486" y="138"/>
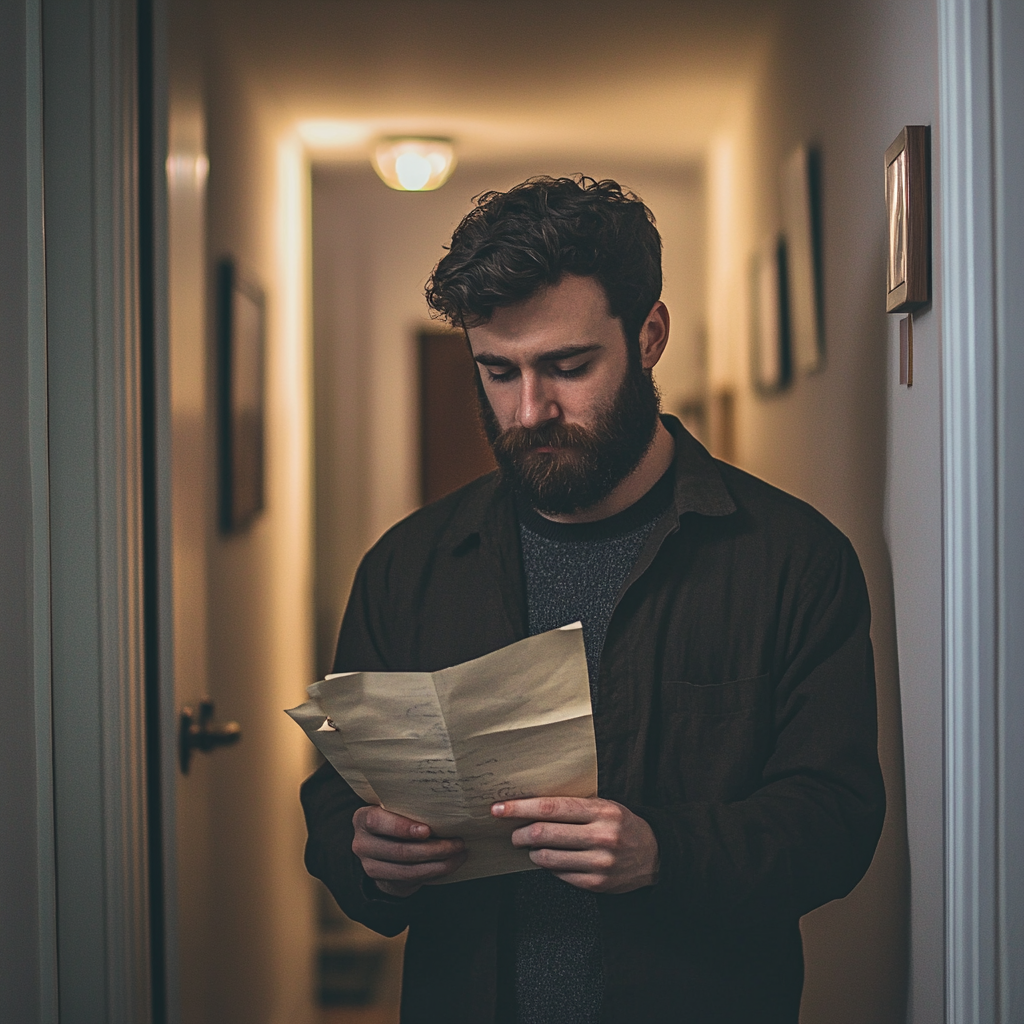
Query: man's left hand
<point x="594" y="844"/>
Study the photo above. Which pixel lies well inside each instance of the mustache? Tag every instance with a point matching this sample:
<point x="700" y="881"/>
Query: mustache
<point x="517" y="440"/>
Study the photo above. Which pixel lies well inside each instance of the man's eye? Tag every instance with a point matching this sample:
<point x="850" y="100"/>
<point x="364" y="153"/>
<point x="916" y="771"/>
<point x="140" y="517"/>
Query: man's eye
<point x="575" y="371"/>
<point x="498" y="375"/>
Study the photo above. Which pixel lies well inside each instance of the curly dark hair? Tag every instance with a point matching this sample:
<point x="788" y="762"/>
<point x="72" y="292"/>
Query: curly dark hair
<point x="511" y="244"/>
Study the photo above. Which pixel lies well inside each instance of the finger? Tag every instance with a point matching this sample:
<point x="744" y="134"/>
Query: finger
<point x="381" y="870"/>
<point x="582" y="861"/>
<point x="555" y="835"/>
<point x="366" y="844"/>
<point x="570" y="810"/>
<point x="596" y="882"/>
<point x="386" y="823"/>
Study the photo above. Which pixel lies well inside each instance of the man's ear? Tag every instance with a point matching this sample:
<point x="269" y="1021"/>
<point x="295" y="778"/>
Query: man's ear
<point x="654" y="335"/>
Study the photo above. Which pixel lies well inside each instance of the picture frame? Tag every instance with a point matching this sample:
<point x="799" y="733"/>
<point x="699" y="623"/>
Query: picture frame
<point x="801" y="226"/>
<point x="770" y="355"/>
<point x="908" y="215"/>
<point x="241" y="356"/>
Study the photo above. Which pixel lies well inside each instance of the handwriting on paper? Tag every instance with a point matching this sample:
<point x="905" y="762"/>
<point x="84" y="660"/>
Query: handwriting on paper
<point x="441" y="747"/>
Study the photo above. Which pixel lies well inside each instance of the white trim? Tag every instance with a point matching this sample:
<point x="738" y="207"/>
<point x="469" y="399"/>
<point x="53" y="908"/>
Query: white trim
<point x="168" y="710"/>
<point x="969" y="494"/>
<point x="1008" y="254"/>
<point x="95" y="510"/>
<point x="46" y="878"/>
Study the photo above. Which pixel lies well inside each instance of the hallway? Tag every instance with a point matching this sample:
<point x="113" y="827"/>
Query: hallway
<point x="208" y="206"/>
<point x="695" y="108"/>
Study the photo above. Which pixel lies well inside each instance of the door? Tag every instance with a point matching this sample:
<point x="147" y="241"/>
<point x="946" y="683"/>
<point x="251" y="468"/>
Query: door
<point x="453" y="449"/>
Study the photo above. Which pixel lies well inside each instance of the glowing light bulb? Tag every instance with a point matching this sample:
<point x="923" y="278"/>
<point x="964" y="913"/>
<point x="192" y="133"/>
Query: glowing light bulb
<point x="414" y="164"/>
<point x="413" y="170"/>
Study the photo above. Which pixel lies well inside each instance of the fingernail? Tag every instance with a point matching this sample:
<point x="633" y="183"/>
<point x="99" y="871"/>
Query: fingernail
<point x="497" y="810"/>
<point x="420" y="830"/>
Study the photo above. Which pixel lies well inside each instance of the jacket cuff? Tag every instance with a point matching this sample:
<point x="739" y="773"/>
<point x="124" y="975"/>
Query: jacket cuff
<point x="355" y="892"/>
<point x="672" y="867"/>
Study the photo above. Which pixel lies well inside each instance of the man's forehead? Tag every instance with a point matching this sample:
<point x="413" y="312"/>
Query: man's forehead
<point x="573" y="312"/>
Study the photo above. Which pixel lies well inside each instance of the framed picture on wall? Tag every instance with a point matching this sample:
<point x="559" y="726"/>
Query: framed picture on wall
<point x="801" y="215"/>
<point x="241" y="344"/>
<point x="769" y="320"/>
<point x="907" y="207"/>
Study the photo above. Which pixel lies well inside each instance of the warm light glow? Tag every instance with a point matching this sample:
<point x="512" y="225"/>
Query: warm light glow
<point x="328" y="134"/>
<point x="187" y="169"/>
<point x="414" y="165"/>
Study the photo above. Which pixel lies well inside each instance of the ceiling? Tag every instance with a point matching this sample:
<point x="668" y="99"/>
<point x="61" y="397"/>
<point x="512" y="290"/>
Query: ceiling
<point x="652" y="81"/>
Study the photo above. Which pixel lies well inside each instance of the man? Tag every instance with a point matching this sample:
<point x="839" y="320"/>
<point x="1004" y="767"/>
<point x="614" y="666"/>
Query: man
<point x="726" y="632"/>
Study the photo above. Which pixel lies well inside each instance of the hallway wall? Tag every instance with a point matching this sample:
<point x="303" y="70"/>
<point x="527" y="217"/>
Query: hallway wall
<point x="243" y="601"/>
<point x="260" y="624"/>
<point x="866" y="452"/>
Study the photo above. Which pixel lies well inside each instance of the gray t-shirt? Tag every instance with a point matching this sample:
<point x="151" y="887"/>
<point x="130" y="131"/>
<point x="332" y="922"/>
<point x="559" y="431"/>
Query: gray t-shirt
<point x="573" y="571"/>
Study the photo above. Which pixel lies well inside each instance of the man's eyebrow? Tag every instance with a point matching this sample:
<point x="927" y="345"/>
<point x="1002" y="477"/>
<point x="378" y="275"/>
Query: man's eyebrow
<point x="565" y="352"/>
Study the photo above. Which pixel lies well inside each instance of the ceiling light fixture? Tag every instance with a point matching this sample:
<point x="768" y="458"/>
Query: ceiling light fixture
<point x="414" y="164"/>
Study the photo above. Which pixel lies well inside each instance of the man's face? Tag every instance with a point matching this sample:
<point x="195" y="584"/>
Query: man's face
<point x="568" y="410"/>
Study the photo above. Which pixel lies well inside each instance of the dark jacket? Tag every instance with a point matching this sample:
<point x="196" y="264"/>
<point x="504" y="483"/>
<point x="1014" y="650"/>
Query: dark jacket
<point x="735" y="713"/>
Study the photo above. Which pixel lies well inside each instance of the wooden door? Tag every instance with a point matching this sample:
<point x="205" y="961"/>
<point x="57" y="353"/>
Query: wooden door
<point x="453" y="447"/>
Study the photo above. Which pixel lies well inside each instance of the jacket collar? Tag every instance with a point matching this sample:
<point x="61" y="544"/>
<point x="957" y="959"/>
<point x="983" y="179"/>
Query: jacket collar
<point x="699" y="484"/>
<point x="699" y="488"/>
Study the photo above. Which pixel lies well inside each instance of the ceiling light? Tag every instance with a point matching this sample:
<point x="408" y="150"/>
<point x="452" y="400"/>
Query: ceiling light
<point x="414" y="164"/>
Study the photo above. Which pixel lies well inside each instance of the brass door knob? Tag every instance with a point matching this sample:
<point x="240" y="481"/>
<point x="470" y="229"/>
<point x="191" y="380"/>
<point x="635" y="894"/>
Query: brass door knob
<point x="198" y="731"/>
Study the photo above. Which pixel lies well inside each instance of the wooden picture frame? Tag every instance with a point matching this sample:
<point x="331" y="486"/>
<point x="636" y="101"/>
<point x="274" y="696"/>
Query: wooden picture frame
<point x="241" y="354"/>
<point x="908" y="215"/>
<point x="801" y="225"/>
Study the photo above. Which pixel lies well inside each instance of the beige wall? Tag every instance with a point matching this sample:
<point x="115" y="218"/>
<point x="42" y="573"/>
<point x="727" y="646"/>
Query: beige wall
<point x="866" y="453"/>
<point x="373" y="249"/>
<point x="243" y="602"/>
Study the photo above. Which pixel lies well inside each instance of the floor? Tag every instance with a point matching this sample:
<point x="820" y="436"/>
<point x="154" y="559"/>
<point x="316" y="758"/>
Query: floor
<point x="346" y="935"/>
<point x="382" y="1013"/>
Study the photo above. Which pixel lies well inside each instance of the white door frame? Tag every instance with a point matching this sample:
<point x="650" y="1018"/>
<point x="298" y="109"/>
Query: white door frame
<point x="94" y="394"/>
<point x="982" y="267"/>
<point x="28" y="933"/>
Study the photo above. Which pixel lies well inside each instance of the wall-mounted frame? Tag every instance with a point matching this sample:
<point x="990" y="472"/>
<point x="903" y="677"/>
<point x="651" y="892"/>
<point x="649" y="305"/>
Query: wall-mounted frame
<point x="770" y="360"/>
<point x="801" y="225"/>
<point x="907" y="207"/>
<point x="241" y="343"/>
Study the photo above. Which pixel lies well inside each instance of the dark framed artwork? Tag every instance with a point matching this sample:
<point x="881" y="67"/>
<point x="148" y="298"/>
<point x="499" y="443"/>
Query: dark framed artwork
<point x="907" y="207"/>
<point x="770" y="359"/>
<point x="241" y="345"/>
<point x="801" y="217"/>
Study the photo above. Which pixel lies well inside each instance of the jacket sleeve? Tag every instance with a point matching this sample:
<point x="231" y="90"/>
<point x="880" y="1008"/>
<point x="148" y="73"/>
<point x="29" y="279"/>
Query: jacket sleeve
<point x="807" y="834"/>
<point x="329" y="803"/>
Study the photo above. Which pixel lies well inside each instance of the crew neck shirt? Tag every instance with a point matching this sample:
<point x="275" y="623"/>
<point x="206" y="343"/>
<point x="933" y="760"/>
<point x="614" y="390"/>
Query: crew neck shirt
<point x="573" y="572"/>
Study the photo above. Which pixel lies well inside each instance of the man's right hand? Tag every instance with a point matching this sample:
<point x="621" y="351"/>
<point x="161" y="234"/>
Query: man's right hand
<point x="399" y="854"/>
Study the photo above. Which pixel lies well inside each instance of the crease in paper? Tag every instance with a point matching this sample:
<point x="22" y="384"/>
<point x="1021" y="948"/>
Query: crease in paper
<point x="441" y="747"/>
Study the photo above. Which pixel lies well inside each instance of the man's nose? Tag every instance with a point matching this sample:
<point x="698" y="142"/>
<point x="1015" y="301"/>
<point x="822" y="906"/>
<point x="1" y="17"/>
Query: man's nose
<point x="536" y="405"/>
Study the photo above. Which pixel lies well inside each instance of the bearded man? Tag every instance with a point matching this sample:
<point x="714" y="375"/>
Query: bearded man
<point x="726" y="634"/>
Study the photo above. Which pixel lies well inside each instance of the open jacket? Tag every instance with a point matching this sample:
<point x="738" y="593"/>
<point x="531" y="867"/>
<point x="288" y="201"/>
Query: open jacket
<point x="735" y="713"/>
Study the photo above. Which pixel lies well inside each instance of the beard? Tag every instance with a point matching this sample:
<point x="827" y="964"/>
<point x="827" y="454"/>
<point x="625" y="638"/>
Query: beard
<point x="588" y="463"/>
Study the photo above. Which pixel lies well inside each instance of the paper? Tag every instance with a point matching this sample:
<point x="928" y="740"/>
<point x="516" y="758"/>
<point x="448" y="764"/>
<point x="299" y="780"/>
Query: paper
<point x="441" y="747"/>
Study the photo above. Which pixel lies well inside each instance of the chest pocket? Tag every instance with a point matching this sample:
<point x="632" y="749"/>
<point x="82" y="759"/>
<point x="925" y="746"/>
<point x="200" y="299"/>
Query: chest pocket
<point x="714" y="739"/>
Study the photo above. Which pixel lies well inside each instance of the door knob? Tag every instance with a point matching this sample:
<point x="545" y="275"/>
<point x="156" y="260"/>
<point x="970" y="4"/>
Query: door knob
<point x="198" y="731"/>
